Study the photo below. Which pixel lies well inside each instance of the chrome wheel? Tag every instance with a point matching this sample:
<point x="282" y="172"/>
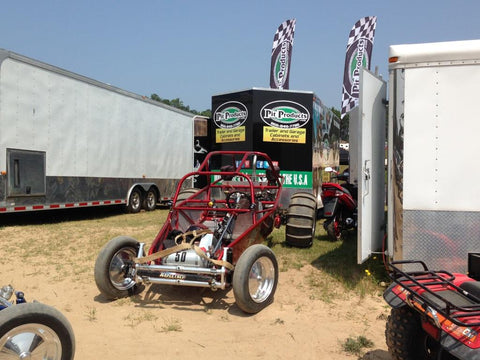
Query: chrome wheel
<point x="31" y="341"/>
<point x="150" y="200"/>
<point x="255" y="278"/>
<point x="114" y="268"/>
<point x="135" y="200"/>
<point x="261" y="279"/>
<point x="119" y="268"/>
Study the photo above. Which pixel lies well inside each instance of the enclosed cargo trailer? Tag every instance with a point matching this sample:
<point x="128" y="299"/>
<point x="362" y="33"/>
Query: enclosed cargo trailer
<point x="69" y="141"/>
<point x="433" y="205"/>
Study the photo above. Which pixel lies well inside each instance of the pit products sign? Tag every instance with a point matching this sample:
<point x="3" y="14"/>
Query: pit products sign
<point x="286" y="122"/>
<point x="282" y="55"/>
<point x="229" y="118"/>
<point x="359" y="53"/>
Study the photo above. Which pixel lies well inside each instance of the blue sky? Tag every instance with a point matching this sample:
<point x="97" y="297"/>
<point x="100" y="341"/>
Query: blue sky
<point x="193" y="49"/>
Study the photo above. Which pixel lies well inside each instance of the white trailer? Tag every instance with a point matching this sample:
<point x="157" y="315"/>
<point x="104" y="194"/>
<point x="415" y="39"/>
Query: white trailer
<point x="69" y="141"/>
<point x="433" y="146"/>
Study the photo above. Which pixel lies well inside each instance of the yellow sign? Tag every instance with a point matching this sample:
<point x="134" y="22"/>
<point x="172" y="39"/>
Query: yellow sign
<point x="230" y="135"/>
<point x="273" y="134"/>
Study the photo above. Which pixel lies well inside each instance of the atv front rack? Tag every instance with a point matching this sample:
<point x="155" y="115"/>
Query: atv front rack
<point x="437" y="294"/>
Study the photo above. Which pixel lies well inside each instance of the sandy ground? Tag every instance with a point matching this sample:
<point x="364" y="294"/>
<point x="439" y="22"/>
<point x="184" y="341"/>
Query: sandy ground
<point x="190" y="323"/>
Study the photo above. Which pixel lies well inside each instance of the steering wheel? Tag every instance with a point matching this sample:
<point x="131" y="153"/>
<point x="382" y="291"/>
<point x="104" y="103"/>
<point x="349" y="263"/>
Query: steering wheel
<point x="238" y="200"/>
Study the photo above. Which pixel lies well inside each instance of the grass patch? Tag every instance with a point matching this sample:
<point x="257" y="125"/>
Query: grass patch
<point x="171" y="324"/>
<point x="356" y="345"/>
<point x="136" y="318"/>
<point x="75" y="238"/>
<point x="337" y="262"/>
<point x="91" y="313"/>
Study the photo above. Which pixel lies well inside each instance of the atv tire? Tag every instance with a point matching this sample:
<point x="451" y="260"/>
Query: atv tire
<point x="301" y="220"/>
<point x="331" y="227"/>
<point x="255" y="278"/>
<point x="35" y="331"/>
<point x="111" y="268"/>
<point x="406" y="339"/>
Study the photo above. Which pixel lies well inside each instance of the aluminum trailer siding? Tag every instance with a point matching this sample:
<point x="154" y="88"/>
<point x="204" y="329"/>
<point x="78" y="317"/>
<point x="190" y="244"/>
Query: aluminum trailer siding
<point x="70" y="141"/>
<point x="433" y="210"/>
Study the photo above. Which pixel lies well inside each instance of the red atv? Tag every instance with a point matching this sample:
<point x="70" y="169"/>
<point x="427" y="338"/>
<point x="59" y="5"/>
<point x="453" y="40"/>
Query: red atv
<point x="339" y="205"/>
<point x="435" y="314"/>
<point x="211" y="237"/>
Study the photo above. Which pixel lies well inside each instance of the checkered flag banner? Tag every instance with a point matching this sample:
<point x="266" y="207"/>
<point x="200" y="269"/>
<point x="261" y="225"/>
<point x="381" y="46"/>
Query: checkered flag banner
<point x="282" y="55"/>
<point x="359" y="53"/>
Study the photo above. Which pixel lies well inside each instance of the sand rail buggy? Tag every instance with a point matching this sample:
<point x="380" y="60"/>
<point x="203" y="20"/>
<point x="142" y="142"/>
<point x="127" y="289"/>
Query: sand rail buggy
<point x="33" y="330"/>
<point x="211" y="237"/>
<point x="435" y="314"/>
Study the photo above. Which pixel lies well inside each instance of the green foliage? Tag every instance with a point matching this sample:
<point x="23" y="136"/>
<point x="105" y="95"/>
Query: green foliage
<point x="355" y="346"/>
<point x="343" y="124"/>
<point x="177" y="103"/>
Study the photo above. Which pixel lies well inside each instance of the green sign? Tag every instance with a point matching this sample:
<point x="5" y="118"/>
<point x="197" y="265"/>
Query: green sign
<point x="291" y="179"/>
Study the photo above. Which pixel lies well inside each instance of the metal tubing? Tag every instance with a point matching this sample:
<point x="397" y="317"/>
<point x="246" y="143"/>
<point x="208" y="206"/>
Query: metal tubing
<point x="140" y="249"/>
<point x="213" y="284"/>
<point x="180" y="269"/>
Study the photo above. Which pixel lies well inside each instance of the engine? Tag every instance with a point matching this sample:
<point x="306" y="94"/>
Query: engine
<point x="190" y="257"/>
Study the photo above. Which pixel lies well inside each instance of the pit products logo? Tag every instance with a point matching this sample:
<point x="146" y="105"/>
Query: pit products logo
<point x="285" y="114"/>
<point x="281" y="66"/>
<point x="282" y="55"/>
<point x="230" y="115"/>
<point x="357" y="57"/>
<point x="359" y="53"/>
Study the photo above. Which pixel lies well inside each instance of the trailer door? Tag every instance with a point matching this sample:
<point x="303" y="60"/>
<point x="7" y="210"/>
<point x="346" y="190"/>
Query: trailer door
<point x="371" y="118"/>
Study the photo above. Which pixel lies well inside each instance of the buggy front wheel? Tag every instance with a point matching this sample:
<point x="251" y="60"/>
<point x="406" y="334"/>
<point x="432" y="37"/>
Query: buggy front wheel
<point x="35" y="331"/>
<point x="255" y="278"/>
<point x="114" y="268"/>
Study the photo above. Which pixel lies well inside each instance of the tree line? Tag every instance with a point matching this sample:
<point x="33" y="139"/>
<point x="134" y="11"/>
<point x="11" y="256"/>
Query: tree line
<point x="177" y="103"/>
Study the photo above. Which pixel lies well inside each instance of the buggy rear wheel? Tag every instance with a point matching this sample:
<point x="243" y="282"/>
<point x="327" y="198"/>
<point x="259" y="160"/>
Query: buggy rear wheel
<point x="35" y="331"/>
<point x="301" y="220"/>
<point x="113" y="268"/>
<point x="406" y="339"/>
<point x="255" y="278"/>
<point x="185" y="194"/>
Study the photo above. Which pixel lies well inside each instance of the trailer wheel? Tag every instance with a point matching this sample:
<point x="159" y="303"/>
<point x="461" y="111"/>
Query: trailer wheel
<point x="135" y="201"/>
<point x="113" y="268"/>
<point x="301" y="220"/>
<point x="35" y="331"/>
<point x="406" y="338"/>
<point x="255" y="278"/>
<point x="150" y="201"/>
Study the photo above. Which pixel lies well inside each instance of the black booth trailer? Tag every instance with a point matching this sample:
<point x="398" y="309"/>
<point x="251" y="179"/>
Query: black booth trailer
<point x="298" y="132"/>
